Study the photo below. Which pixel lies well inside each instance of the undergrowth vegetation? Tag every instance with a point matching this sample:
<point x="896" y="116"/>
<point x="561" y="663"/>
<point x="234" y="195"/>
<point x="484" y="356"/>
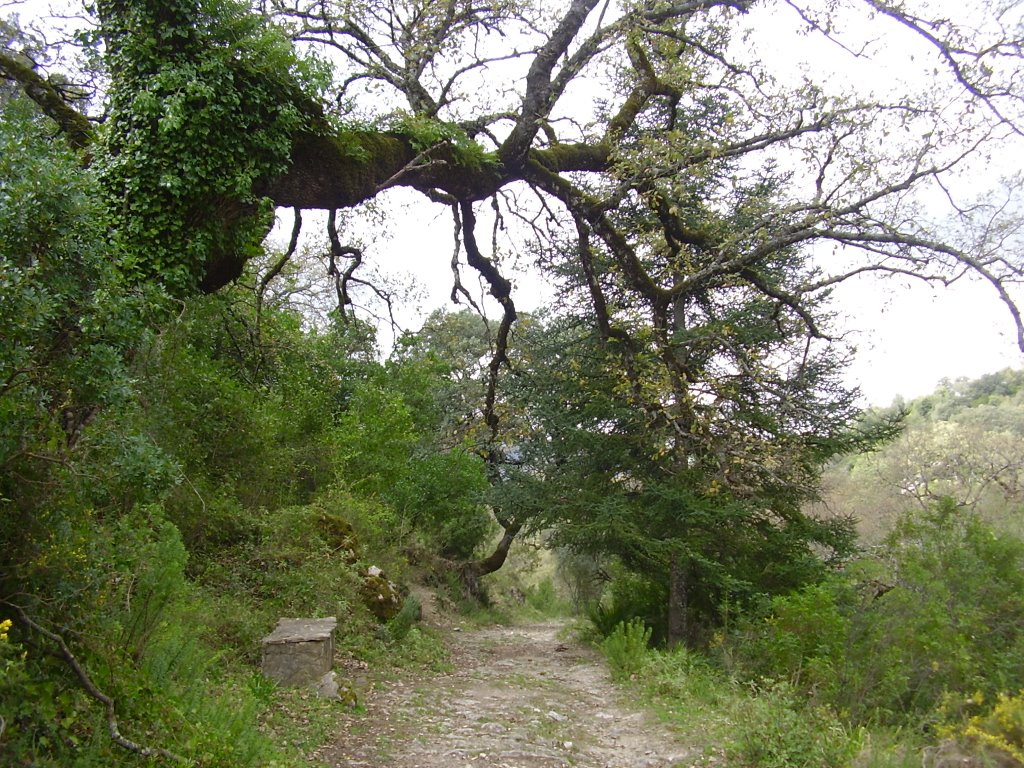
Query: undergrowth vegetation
<point x="179" y="476"/>
<point x="911" y="652"/>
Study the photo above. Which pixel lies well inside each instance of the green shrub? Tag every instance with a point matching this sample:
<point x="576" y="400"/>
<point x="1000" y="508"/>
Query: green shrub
<point x="580" y="572"/>
<point x="543" y="597"/>
<point x="398" y="627"/>
<point x="627" y="647"/>
<point x="940" y="610"/>
<point x="680" y="675"/>
<point x="292" y="568"/>
<point x="802" y="639"/>
<point x="953" y="621"/>
<point x="440" y="495"/>
<point x="630" y="596"/>
<point x="422" y="648"/>
<point x="775" y="730"/>
<point x="1001" y="728"/>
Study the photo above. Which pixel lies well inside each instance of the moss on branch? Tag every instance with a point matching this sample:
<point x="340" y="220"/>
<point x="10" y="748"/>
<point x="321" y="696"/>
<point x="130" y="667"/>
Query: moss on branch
<point x="74" y="125"/>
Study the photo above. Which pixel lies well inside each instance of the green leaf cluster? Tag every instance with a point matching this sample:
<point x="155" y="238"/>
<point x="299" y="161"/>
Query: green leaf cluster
<point x="936" y="617"/>
<point x="205" y="99"/>
<point x="428" y="133"/>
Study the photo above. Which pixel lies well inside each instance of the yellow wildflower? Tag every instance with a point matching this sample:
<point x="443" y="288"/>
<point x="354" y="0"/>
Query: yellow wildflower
<point x="5" y="625"/>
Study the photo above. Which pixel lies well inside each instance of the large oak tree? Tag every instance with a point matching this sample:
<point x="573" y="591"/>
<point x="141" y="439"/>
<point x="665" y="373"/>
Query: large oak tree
<point x="644" y="141"/>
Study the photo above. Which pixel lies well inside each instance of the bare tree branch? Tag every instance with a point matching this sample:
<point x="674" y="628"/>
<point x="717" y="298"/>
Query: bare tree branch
<point x="90" y="687"/>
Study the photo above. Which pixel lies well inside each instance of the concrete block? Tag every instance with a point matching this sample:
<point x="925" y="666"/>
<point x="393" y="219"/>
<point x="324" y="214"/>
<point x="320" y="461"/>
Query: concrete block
<point x="299" y="651"/>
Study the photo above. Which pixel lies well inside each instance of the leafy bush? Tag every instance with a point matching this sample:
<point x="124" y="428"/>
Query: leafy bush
<point x="294" y="566"/>
<point x="953" y="621"/>
<point x="630" y="596"/>
<point x="763" y="725"/>
<point x="1001" y="729"/>
<point x="422" y="648"/>
<point x="802" y="639"/>
<point x="399" y="626"/>
<point x="680" y="675"/>
<point x="543" y="597"/>
<point x="441" y="496"/>
<point x="940" y="611"/>
<point x="580" y="572"/>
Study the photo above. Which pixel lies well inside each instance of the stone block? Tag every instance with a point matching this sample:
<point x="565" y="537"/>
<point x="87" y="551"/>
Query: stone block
<point x="299" y="651"/>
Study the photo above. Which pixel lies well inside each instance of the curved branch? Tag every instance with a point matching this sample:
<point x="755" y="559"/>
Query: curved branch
<point x="501" y="289"/>
<point x="948" y="53"/>
<point x="277" y="266"/>
<point x="90" y="688"/>
<point x="789" y="300"/>
<point x="458" y="289"/>
<point x="338" y="251"/>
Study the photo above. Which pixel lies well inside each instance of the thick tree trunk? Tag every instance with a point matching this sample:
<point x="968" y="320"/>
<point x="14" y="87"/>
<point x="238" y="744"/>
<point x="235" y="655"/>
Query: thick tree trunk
<point x="678" y="603"/>
<point x="470" y="573"/>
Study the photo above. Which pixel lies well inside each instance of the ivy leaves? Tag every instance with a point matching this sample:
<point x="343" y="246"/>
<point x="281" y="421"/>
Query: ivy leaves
<point x="204" y="103"/>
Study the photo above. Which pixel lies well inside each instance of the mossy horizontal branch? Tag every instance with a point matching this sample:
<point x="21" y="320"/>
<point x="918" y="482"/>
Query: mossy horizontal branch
<point x="74" y="125"/>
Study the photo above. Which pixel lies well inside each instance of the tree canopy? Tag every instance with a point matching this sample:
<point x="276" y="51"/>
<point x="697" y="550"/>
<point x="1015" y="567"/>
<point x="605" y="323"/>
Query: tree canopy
<point x="644" y="137"/>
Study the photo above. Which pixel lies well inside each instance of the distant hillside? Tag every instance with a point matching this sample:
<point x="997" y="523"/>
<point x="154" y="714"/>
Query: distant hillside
<point x="964" y="441"/>
<point x="999" y="389"/>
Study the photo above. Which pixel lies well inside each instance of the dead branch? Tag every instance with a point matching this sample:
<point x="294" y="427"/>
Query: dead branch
<point x="90" y="688"/>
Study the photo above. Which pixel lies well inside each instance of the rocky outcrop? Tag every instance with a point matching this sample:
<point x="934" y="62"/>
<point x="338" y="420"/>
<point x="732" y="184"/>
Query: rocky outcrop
<point x="381" y="596"/>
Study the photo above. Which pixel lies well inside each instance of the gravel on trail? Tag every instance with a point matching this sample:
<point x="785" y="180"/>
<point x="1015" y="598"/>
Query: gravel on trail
<point x="519" y="697"/>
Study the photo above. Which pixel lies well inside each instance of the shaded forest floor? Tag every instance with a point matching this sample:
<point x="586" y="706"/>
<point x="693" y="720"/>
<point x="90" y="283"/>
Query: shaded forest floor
<point x="526" y="696"/>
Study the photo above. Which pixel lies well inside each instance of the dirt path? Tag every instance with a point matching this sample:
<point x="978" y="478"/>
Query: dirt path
<point x="520" y="697"/>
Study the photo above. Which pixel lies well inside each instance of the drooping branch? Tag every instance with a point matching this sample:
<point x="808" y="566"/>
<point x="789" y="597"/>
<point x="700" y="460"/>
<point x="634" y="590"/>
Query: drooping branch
<point x="458" y="289"/>
<point x="338" y="251"/>
<point x="343" y="278"/>
<point x="952" y="53"/>
<point x="277" y="266"/>
<point x="785" y="298"/>
<point x="501" y="290"/>
<point x="592" y="211"/>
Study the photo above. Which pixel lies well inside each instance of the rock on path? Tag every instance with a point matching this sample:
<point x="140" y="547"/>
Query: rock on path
<point x="520" y="697"/>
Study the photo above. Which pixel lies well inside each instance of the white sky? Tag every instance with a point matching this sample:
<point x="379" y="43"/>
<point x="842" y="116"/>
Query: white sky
<point x="910" y="337"/>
